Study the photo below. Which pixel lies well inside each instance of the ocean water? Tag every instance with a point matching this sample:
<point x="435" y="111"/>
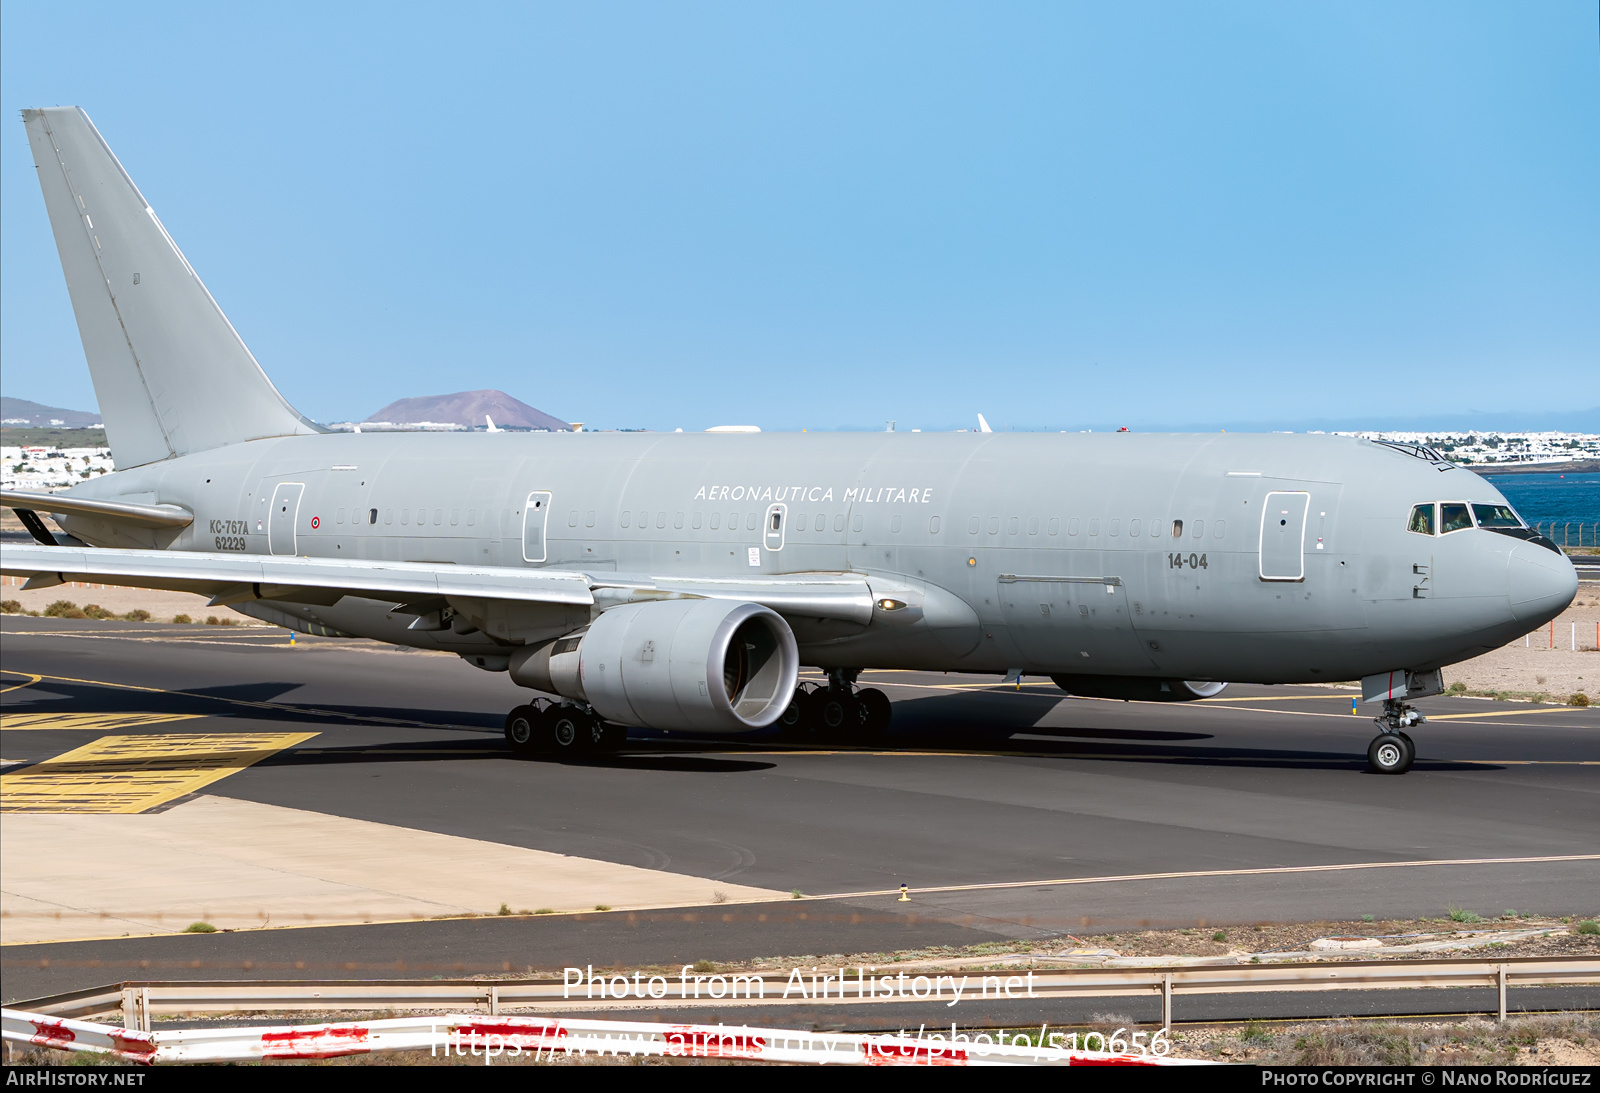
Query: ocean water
<point x="1554" y="498"/>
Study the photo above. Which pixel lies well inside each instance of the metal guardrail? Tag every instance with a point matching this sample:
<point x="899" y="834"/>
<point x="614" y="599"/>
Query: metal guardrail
<point x="137" y="1003"/>
<point x="1569" y="534"/>
<point x="544" y="1037"/>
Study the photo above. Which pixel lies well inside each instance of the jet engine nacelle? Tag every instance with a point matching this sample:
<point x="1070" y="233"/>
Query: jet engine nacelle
<point x="706" y="665"/>
<point x="1135" y="687"/>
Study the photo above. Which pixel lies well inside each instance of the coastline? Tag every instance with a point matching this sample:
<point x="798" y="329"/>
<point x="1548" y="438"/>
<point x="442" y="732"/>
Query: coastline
<point x="1576" y="466"/>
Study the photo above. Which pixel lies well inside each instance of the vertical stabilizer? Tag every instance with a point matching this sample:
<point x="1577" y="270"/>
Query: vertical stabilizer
<point x="171" y="374"/>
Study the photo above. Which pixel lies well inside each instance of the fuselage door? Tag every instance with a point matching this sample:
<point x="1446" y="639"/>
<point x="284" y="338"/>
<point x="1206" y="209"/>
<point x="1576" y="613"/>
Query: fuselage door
<point x="1283" y="536"/>
<point x="535" y="515"/>
<point x="773" y="530"/>
<point x="281" y="520"/>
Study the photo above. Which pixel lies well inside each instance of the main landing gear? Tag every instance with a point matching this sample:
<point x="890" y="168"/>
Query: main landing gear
<point x="561" y="730"/>
<point x="1392" y="751"/>
<point x="836" y="712"/>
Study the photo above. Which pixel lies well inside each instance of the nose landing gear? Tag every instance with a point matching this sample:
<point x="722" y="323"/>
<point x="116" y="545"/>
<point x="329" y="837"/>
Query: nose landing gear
<point x="1392" y="751"/>
<point x="837" y="711"/>
<point x="561" y="730"/>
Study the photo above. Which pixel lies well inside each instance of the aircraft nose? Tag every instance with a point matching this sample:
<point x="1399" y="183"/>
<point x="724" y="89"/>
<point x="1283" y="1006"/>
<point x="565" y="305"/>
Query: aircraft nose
<point x="1539" y="583"/>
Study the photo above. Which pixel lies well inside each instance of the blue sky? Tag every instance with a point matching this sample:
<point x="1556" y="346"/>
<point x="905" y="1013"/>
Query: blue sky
<point x="824" y="216"/>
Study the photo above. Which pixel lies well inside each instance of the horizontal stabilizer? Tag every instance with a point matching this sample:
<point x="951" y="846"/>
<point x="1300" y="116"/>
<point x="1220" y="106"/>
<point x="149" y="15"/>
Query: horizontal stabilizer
<point x="143" y="516"/>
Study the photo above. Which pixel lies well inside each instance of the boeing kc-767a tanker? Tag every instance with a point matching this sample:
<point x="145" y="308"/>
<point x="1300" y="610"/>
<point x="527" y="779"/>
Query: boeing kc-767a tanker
<point x="680" y="581"/>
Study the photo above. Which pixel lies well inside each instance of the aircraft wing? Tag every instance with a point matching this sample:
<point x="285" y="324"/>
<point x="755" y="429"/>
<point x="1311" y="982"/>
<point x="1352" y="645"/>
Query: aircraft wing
<point x="235" y="578"/>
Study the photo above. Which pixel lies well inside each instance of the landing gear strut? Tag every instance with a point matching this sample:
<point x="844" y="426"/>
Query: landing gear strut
<point x="838" y="711"/>
<point x="1392" y="751"/>
<point x="560" y="729"/>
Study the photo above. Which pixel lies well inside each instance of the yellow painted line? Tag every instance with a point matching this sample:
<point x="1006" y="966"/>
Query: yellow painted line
<point x="1273" y="871"/>
<point x="32" y="679"/>
<point x="1342" y="696"/>
<point x="128" y="774"/>
<point x="1258" y="709"/>
<point x="1528" y="762"/>
<point x="1505" y="713"/>
<point x="86" y="722"/>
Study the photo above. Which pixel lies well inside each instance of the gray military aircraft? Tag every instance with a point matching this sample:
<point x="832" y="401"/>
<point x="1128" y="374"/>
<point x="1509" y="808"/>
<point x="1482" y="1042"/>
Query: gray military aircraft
<point x="680" y="581"/>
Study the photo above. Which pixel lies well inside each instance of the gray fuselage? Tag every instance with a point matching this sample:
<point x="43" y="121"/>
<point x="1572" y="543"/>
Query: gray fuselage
<point x="1236" y="557"/>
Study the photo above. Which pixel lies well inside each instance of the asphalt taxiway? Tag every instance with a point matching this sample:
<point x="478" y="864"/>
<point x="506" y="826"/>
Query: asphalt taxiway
<point x="1011" y="812"/>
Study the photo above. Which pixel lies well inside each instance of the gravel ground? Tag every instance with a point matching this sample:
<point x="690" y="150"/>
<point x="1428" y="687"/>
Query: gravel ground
<point x="1530" y="666"/>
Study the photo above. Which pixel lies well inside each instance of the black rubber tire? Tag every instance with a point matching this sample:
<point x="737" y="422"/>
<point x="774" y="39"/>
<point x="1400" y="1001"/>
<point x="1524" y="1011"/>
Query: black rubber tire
<point x="525" y="730"/>
<point x="836" y="715"/>
<point x="1390" y="753"/>
<point x="569" y="731"/>
<point x="799" y="719"/>
<point x="873" y="713"/>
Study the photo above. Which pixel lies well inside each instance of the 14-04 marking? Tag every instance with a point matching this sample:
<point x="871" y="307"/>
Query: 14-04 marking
<point x="1192" y="561"/>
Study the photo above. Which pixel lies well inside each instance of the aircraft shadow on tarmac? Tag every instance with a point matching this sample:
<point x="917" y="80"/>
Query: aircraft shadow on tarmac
<point x="429" y="752"/>
<point x="261" y="701"/>
<point x="982" y="723"/>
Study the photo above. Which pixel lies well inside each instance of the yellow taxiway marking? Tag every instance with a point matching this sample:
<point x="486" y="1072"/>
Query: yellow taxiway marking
<point x="1343" y="696"/>
<point x="1505" y="713"/>
<point x="86" y="722"/>
<point x="1529" y="762"/>
<point x="1272" y="871"/>
<point x="32" y="679"/>
<point x="127" y="774"/>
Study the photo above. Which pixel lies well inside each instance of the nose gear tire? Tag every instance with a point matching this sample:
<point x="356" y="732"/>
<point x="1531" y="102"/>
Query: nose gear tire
<point x="1391" y="753"/>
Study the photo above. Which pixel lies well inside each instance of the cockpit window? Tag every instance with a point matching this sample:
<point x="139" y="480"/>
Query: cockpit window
<point x="1421" y="520"/>
<point x="1453" y="517"/>
<point x="1496" y="516"/>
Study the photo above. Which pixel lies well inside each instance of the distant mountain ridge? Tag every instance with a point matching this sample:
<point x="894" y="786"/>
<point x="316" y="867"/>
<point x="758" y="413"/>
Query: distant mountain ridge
<point x="21" y="411"/>
<point x="468" y="408"/>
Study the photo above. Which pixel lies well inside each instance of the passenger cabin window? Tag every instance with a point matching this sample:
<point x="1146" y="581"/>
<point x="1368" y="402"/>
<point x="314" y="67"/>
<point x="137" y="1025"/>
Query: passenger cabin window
<point x="1177" y="529"/>
<point x="1453" y="517"/>
<point x="1496" y="516"/>
<point x="1421" y="520"/>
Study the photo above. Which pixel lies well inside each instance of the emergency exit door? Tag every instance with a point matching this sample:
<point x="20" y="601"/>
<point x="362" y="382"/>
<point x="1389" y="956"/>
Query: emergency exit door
<point x="1283" y="536"/>
<point x="281" y="520"/>
<point x="534" y="517"/>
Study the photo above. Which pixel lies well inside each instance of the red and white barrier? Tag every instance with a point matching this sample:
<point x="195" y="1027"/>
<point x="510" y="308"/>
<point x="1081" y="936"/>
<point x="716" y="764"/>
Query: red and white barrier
<point x="504" y="1039"/>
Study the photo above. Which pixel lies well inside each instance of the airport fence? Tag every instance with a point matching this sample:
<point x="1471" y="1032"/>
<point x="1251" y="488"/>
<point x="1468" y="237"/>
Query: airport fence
<point x="1570" y="533"/>
<point x="138" y="1003"/>
<point x="544" y="1038"/>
